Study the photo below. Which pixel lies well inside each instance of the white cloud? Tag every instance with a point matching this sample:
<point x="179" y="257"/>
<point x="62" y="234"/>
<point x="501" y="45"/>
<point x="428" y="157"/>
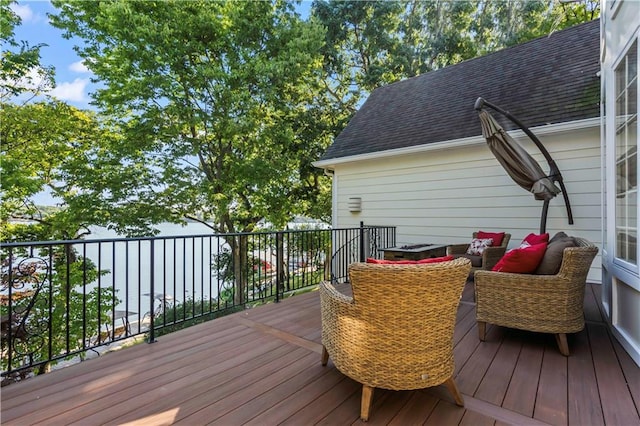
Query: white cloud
<point x="71" y="91"/>
<point x="33" y="81"/>
<point x="23" y="11"/>
<point x="79" y="67"/>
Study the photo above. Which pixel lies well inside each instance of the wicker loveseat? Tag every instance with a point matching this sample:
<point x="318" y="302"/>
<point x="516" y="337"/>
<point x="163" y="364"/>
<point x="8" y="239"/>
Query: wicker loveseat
<point x="396" y="332"/>
<point x="539" y="303"/>
<point x="490" y="256"/>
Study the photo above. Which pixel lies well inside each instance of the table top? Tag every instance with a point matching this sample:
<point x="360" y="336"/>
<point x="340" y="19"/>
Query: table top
<point x="414" y="248"/>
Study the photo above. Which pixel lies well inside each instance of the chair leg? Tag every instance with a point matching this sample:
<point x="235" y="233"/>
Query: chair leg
<point x="561" y="339"/>
<point x="325" y="356"/>
<point x="453" y="388"/>
<point x="482" y="330"/>
<point x="365" y="405"/>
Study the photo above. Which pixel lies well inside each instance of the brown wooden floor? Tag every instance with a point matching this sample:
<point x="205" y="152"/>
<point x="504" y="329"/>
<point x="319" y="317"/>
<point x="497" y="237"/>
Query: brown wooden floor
<point x="262" y="367"/>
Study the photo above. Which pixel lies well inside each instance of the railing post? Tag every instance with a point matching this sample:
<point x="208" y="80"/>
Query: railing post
<point x="10" y="329"/>
<point x="279" y="263"/>
<point x="362" y="241"/>
<point x="152" y="292"/>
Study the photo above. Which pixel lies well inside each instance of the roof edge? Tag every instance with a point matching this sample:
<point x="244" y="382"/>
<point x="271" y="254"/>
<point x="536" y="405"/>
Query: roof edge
<point x="548" y="129"/>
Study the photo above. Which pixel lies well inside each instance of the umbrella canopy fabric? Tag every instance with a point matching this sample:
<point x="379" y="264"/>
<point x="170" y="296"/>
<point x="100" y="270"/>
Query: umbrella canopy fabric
<point x="516" y="161"/>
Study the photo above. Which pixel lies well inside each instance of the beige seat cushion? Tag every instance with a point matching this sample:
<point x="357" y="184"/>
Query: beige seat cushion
<point x="550" y="264"/>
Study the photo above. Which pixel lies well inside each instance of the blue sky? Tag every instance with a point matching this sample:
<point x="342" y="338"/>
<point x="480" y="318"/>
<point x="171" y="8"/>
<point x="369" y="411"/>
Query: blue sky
<point x="73" y="80"/>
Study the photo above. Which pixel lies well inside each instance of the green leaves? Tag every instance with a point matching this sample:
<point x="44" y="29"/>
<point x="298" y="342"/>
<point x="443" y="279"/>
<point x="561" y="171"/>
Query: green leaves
<point x="20" y="69"/>
<point x="97" y="176"/>
<point x="211" y="92"/>
<point x="372" y="43"/>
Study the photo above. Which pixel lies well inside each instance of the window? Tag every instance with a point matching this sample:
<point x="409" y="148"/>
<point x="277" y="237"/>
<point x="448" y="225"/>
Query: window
<point x="626" y="128"/>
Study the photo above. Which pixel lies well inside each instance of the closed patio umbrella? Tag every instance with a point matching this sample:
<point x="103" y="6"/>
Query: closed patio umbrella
<point x="517" y="162"/>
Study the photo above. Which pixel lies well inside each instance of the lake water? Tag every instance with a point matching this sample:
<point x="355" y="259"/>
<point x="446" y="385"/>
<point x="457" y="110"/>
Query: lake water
<point x="166" y="230"/>
<point x="177" y="264"/>
<point x="181" y="266"/>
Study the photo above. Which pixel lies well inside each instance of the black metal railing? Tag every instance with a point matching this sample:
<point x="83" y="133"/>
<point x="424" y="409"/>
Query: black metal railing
<point x="61" y="299"/>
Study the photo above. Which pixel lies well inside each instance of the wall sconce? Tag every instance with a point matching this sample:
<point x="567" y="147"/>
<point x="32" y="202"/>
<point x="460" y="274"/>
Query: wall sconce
<point x="355" y="204"/>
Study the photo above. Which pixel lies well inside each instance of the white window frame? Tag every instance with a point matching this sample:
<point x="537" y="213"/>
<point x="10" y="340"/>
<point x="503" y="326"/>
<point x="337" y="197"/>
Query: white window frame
<point x="633" y="268"/>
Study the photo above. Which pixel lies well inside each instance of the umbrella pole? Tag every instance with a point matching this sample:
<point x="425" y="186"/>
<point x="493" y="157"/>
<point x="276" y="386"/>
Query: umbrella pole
<point x="554" y="173"/>
<point x="543" y="217"/>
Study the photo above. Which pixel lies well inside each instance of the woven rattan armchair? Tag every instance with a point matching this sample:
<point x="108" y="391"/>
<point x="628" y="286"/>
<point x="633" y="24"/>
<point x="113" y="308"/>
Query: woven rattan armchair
<point x="396" y="332"/>
<point x="539" y="303"/>
<point x="490" y="255"/>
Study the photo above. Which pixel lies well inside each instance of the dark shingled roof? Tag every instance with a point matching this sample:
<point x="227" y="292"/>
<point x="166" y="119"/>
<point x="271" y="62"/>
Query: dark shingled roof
<point x="551" y="79"/>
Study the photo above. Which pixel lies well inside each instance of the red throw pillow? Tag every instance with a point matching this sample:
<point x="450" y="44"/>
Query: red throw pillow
<point x="523" y="260"/>
<point x="390" y="262"/>
<point x="495" y="236"/>
<point x="436" y="259"/>
<point x="409" y="262"/>
<point x="534" y="239"/>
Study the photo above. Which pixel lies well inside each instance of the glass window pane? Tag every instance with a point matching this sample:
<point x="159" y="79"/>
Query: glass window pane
<point x="626" y="143"/>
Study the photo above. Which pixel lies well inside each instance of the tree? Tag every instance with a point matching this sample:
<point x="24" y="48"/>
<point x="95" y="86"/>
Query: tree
<point x="46" y="146"/>
<point x="361" y="40"/>
<point x="51" y="147"/>
<point x="437" y="34"/>
<point x="74" y="156"/>
<point x="369" y="44"/>
<point x="568" y="14"/>
<point x="507" y="23"/>
<point x="52" y="313"/>
<point x="214" y="93"/>
<point x="20" y="69"/>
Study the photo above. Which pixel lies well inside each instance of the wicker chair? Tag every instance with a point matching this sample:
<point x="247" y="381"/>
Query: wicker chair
<point x="539" y="303"/>
<point x="396" y="332"/>
<point x="490" y="255"/>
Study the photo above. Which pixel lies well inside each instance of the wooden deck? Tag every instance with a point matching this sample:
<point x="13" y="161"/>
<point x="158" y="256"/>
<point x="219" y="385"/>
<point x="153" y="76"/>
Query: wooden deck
<point x="262" y="367"/>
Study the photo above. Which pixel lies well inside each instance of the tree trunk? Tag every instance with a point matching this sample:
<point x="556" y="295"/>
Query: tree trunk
<point x="239" y="248"/>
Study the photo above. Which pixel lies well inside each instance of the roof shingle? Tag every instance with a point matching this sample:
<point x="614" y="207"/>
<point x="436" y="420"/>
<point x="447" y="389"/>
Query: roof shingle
<point x="551" y="79"/>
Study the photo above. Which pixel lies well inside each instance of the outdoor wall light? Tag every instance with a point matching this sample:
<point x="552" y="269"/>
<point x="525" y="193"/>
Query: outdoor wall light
<point x="355" y="204"/>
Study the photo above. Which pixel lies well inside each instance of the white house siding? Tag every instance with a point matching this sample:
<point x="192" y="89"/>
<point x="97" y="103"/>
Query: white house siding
<point x="620" y="28"/>
<point x="443" y="195"/>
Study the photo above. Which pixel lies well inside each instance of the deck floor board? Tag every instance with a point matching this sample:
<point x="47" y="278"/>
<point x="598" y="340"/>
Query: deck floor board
<point x="551" y="399"/>
<point x="262" y="366"/>
<point x="584" y="401"/>
<point x="521" y="393"/>
<point x="617" y="403"/>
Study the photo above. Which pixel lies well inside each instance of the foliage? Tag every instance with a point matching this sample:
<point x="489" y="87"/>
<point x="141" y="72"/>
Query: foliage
<point x="373" y="43"/>
<point x="81" y="162"/>
<point x="222" y="264"/>
<point x="361" y="39"/>
<point x="215" y="93"/>
<point x="568" y="14"/>
<point x="310" y="248"/>
<point x="190" y="312"/>
<point x="20" y="69"/>
<point x="295" y="256"/>
<point x="507" y="23"/>
<point x="45" y="146"/>
<point x="58" y="315"/>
